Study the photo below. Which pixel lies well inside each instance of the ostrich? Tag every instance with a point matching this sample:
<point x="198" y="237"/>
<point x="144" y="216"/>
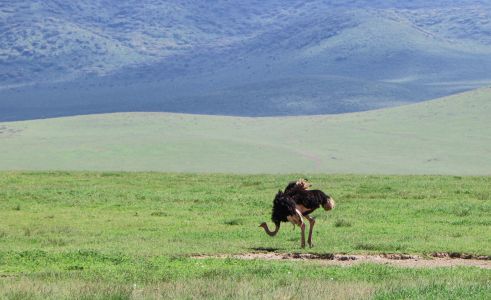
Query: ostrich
<point x="295" y="203"/>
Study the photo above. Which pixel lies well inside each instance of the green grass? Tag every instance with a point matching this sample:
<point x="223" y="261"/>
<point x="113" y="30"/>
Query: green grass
<point x="447" y="136"/>
<point x="131" y="235"/>
<point x="213" y="278"/>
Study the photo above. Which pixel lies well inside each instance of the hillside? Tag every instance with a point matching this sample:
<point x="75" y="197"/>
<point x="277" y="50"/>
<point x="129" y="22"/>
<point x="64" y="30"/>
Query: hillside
<point x="451" y="135"/>
<point x="254" y="58"/>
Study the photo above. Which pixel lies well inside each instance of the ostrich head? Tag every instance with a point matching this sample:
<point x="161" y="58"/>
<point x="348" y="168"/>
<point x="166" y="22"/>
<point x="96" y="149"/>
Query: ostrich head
<point x="304" y="183"/>
<point x="329" y="204"/>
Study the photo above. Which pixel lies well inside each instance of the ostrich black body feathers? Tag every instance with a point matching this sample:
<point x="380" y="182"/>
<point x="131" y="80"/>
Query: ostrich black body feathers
<point x="283" y="206"/>
<point x="310" y="199"/>
<point x="284" y="203"/>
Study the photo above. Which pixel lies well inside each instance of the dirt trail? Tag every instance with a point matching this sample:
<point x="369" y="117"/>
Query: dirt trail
<point x="403" y="260"/>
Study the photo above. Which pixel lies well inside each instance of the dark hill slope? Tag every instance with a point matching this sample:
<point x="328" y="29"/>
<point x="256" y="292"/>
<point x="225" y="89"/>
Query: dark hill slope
<point x="251" y="58"/>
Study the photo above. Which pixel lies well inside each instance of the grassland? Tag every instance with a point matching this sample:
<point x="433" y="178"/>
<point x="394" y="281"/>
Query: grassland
<point x="446" y="136"/>
<point x="132" y="235"/>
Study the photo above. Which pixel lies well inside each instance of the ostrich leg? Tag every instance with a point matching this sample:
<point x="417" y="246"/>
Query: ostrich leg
<point x="312" y="222"/>
<point x="302" y="226"/>
<point x="297" y="219"/>
<point x="303" y="234"/>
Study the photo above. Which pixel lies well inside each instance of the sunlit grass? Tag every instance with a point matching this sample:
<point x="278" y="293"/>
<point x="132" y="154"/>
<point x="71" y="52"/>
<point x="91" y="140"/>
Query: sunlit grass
<point x="131" y="235"/>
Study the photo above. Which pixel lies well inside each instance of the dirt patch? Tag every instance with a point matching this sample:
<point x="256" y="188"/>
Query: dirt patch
<point x="8" y="132"/>
<point x="460" y="255"/>
<point x="403" y="260"/>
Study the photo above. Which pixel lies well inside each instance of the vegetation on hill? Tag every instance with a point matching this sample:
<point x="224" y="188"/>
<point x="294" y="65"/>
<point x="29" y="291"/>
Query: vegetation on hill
<point x="254" y="58"/>
<point x="446" y="136"/>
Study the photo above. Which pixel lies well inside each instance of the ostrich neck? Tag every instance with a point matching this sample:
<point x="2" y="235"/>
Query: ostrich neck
<point x="269" y="232"/>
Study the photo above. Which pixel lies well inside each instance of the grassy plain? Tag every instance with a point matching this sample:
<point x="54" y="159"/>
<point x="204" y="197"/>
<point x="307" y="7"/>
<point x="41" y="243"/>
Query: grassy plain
<point x="132" y="235"/>
<point x="446" y="136"/>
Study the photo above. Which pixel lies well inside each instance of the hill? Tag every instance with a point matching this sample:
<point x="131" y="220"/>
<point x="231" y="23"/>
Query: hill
<point x="451" y="135"/>
<point x="254" y="58"/>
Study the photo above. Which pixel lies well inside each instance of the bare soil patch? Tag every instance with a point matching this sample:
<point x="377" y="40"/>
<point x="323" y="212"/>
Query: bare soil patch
<point x="8" y="132"/>
<point x="403" y="260"/>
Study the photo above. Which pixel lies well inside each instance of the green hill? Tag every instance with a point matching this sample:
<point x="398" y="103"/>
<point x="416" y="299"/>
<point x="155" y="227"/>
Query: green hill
<point x="451" y="135"/>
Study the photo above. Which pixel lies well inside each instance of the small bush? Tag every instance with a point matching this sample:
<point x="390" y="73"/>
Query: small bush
<point x="483" y="196"/>
<point x="159" y="214"/>
<point x="56" y="242"/>
<point x="27" y="231"/>
<point x="233" y="222"/>
<point x="342" y="223"/>
<point x="463" y="211"/>
<point x="366" y="246"/>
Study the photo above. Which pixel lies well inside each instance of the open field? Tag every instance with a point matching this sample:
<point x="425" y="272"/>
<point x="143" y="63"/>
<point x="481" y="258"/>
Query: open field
<point x="446" y="136"/>
<point x="134" y="235"/>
